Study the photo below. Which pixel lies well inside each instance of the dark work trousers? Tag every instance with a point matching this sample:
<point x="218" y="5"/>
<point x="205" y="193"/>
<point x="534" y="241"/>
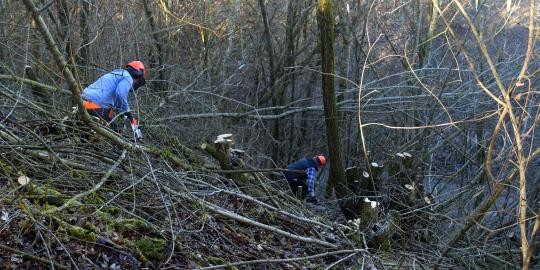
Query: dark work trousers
<point x="295" y="183"/>
<point x="101" y="113"/>
<point x="104" y="115"/>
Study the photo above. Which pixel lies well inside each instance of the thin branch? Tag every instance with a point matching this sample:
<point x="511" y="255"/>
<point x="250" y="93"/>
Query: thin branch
<point x="279" y="211"/>
<point x="255" y="114"/>
<point x="253" y="170"/>
<point x="534" y="243"/>
<point x="220" y="211"/>
<point x="483" y="209"/>
<point x="29" y="256"/>
<point x="530" y="42"/>
<point x="483" y="48"/>
<point x="93" y="189"/>
<point x="34" y="83"/>
<point x="469" y="61"/>
<point x="454" y="123"/>
<point x="270" y="261"/>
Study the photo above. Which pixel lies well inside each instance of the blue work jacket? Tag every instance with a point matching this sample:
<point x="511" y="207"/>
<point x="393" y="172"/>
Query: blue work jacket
<point x="110" y="91"/>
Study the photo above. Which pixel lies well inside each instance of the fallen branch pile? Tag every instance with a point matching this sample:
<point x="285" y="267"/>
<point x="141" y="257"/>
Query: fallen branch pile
<point x="89" y="204"/>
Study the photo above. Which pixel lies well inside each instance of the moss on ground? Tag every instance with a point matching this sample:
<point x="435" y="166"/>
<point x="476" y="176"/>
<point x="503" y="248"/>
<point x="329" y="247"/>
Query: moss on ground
<point x="151" y="248"/>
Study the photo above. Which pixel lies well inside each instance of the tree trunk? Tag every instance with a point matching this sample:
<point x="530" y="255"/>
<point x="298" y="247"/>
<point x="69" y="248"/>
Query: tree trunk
<point x="272" y="92"/>
<point x="290" y="61"/>
<point x="65" y="35"/>
<point x="84" y="57"/>
<point x="157" y="57"/>
<point x="269" y="50"/>
<point x="325" y="18"/>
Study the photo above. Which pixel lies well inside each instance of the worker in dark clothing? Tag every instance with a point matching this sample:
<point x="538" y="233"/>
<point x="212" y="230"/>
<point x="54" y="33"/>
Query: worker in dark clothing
<point x="110" y="94"/>
<point x="306" y="178"/>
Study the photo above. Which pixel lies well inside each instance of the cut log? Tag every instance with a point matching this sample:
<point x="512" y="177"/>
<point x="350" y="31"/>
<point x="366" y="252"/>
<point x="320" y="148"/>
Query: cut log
<point x="222" y="151"/>
<point x="362" y="186"/>
<point x="383" y="231"/>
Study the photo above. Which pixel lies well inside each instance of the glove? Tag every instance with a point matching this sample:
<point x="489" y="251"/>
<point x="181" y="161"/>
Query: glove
<point x="135" y="128"/>
<point x="312" y="199"/>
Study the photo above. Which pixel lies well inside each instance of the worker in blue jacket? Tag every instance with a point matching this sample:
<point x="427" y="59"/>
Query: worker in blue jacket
<point x="301" y="173"/>
<point x="110" y="93"/>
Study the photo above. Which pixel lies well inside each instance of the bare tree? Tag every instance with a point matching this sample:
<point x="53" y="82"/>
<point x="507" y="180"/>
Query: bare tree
<point x="325" y="18"/>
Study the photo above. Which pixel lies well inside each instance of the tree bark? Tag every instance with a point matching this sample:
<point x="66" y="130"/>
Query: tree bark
<point x="158" y="55"/>
<point x="2" y="33"/>
<point x="272" y="92"/>
<point x="64" y="31"/>
<point x="290" y="60"/>
<point x="269" y="50"/>
<point x="84" y="57"/>
<point x="325" y="18"/>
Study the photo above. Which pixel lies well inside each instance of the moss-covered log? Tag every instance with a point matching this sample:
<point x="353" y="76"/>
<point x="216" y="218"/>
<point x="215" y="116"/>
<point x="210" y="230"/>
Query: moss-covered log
<point x="45" y="195"/>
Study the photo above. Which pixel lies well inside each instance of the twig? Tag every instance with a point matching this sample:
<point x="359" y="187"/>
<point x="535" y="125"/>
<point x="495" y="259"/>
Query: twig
<point x="220" y="211"/>
<point x="34" y="83"/>
<point x="354" y="251"/>
<point x="13" y="139"/>
<point x="93" y="189"/>
<point x="216" y="209"/>
<point x="483" y="48"/>
<point x="530" y="41"/>
<point x="478" y="215"/>
<point x="32" y="257"/>
<point x="249" y="198"/>
<point x="252" y="170"/>
<point x="532" y="247"/>
<point x="339" y="261"/>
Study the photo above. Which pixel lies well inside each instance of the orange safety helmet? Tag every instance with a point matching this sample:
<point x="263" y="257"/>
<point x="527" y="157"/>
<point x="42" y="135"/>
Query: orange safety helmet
<point x="321" y="159"/>
<point x="138" y="66"/>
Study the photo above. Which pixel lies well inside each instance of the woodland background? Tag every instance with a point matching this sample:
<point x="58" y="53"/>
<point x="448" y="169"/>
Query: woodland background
<point x="443" y="94"/>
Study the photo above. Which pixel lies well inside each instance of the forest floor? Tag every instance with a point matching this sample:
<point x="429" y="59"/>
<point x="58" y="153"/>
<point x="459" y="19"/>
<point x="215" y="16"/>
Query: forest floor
<point x="68" y="204"/>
